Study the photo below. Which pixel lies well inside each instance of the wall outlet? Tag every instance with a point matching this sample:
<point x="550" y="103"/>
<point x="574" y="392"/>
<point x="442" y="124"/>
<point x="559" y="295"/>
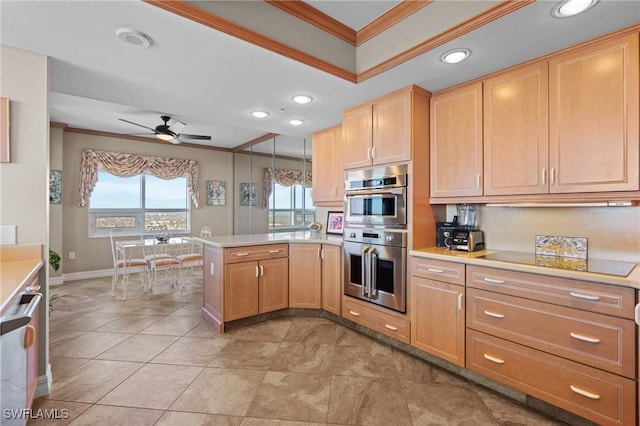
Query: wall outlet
<point x="72" y="255"/>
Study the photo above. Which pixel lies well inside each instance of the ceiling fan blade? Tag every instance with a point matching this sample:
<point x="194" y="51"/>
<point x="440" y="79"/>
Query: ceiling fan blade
<point x="136" y="124"/>
<point x="194" y="137"/>
<point x="177" y="127"/>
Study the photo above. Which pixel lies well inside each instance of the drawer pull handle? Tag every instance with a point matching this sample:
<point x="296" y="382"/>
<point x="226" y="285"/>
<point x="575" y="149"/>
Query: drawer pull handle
<point x="435" y="271"/>
<point x="390" y="327"/>
<point x="354" y="313"/>
<point x="274" y="251"/>
<point x="584" y="296"/>
<point x="584" y="338"/>
<point x="242" y="254"/>
<point x="493" y="314"/>
<point x="493" y="281"/>
<point x="584" y="392"/>
<point x="493" y="359"/>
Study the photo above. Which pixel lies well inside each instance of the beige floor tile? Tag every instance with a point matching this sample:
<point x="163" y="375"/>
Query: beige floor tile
<point x="138" y="348"/>
<point x="130" y="323"/>
<point x="191" y="351"/>
<point x="220" y="391"/>
<point x="204" y="329"/>
<point x="89" y="345"/>
<point x="298" y="357"/>
<point x="375" y="360"/>
<point x="61" y="336"/>
<point x="172" y="326"/>
<point x="246" y="354"/>
<point x="47" y="412"/>
<point x="319" y="331"/>
<point x="176" y="418"/>
<point x="292" y="396"/>
<point x="253" y="421"/>
<point x="268" y="331"/>
<point x="91" y="380"/>
<point x="87" y="322"/>
<point x="383" y="402"/>
<point x="509" y="412"/>
<point x="153" y="386"/>
<point x="346" y="398"/>
<point x="190" y="310"/>
<point x="103" y="415"/>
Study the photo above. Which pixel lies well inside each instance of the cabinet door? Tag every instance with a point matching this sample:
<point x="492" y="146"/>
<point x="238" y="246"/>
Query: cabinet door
<point x="516" y="135"/>
<point x="593" y="118"/>
<point x="273" y="291"/>
<point x="305" y="276"/>
<point x="456" y="142"/>
<point x="240" y="290"/>
<point x="331" y="278"/>
<point x="357" y="134"/>
<point x="328" y="163"/>
<point x="392" y="129"/>
<point x="438" y="319"/>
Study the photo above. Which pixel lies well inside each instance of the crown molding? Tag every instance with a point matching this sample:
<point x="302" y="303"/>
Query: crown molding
<point x="390" y="18"/>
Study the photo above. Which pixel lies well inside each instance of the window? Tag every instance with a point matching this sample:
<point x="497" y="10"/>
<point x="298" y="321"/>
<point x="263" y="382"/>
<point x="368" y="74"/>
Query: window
<point x="139" y="204"/>
<point x="290" y="207"/>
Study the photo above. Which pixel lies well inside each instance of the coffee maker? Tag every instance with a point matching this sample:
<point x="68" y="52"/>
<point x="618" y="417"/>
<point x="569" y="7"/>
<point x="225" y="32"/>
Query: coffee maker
<point x="465" y="236"/>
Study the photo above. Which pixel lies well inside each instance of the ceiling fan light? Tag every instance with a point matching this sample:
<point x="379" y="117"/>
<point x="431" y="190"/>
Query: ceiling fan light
<point x="296" y="122"/>
<point x="454" y="56"/>
<point x="302" y="99"/>
<point x="569" y="8"/>
<point x="260" y="114"/>
<point x="165" y="136"/>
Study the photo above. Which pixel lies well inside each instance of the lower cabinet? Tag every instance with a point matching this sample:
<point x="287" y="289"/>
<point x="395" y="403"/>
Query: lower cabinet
<point x="394" y="325"/>
<point x="438" y="311"/>
<point x="315" y="276"/>
<point x="331" y="278"/>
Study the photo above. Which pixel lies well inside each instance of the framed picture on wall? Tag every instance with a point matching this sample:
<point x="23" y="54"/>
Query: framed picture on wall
<point x="248" y="194"/>
<point x="216" y="193"/>
<point x="334" y="222"/>
<point x="55" y="186"/>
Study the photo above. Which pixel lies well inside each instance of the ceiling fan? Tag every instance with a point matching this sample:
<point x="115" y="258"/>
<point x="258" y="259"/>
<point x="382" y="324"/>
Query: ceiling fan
<point x="170" y="133"/>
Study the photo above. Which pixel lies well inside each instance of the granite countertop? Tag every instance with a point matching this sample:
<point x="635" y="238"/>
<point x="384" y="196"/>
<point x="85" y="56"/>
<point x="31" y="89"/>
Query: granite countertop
<point x="18" y="266"/>
<point x="226" y="241"/>
<point x="476" y="258"/>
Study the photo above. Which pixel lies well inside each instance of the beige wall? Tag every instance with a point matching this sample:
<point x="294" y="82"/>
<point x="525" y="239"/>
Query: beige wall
<point x="612" y="232"/>
<point x="24" y="182"/>
<point x="55" y="210"/>
<point x="93" y="254"/>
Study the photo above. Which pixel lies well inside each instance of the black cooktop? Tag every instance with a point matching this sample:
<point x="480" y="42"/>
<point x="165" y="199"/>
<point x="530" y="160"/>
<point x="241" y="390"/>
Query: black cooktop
<point x="608" y="267"/>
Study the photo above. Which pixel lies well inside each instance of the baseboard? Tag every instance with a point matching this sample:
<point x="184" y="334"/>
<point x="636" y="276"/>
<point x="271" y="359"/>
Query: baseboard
<point x="84" y="275"/>
<point x="56" y="280"/>
<point x="44" y="383"/>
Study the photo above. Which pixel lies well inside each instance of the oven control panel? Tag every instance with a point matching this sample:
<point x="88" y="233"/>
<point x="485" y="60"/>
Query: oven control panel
<point x="385" y="237"/>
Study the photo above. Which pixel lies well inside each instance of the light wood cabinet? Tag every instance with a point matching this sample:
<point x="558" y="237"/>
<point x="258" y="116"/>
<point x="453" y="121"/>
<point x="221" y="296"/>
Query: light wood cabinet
<point x="394" y="325"/>
<point x="438" y="312"/>
<point x="456" y="142"/>
<point x="305" y="275"/>
<point x="593" y="124"/>
<point x="331" y="278"/>
<point x="382" y="132"/>
<point x="516" y="131"/>
<point x="328" y="167"/>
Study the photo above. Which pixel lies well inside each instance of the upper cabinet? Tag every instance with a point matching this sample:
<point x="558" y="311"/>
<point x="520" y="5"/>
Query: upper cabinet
<point x="456" y="142"/>
<point x="327" y="167"/>
<point x="593" y="118"/>
<point x="562" y="128"/>
<point x="381" y="132"/>
<point x="516" y="136"/>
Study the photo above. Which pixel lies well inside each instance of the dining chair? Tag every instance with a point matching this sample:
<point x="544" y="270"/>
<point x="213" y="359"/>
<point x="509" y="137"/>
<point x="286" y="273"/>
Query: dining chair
<point x="123" y="266"/>
<point x="160" y="258"/>
<point x="190" y="257"/>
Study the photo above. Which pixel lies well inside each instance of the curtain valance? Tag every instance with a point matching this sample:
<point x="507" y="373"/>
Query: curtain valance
<point x="128" y="165"/>
<point x="285" y="178"/>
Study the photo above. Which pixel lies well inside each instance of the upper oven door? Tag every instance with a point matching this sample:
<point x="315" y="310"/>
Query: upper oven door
<point x="376" y="207"/>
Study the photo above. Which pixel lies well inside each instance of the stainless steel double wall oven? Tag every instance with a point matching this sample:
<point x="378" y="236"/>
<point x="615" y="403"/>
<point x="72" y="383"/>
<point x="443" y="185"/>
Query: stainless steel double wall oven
<point x="375" y="235"/>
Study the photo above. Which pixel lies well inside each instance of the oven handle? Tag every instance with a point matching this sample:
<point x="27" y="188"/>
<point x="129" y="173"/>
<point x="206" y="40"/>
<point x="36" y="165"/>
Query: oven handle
<point x="13" y="322"/>
<point x="373" y="260"/>
<point x="365" y="271"/>
<point x="388" y="191"/>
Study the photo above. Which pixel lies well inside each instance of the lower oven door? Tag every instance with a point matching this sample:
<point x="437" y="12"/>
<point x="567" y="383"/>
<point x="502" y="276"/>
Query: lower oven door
<point x="376" y="273"/>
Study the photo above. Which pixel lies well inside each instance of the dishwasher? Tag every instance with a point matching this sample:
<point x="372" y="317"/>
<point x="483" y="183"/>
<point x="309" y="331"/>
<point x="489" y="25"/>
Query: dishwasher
<point x="16" y="336"/>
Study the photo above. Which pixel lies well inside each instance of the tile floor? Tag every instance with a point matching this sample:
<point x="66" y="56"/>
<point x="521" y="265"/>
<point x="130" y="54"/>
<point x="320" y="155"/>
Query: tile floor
<point x="152" y="360"/>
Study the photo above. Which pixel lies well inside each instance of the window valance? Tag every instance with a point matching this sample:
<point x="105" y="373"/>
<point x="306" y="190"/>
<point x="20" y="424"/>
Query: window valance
<point x="128" y="165"/>
<point x="285" y="178"/>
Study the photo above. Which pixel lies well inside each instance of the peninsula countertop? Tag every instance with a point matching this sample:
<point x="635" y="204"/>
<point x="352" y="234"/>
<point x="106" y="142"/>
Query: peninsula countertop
<point x="226" y="241"/>
<point x="476" y="258"/>
<point x="18" y="266"/>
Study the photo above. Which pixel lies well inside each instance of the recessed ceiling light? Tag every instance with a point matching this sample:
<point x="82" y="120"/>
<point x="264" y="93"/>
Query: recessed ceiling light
<point x="455" y="56"/>
<point x="569" y="8"/>
<point x="296" y="122"/>
<point x="302" y="99"/>
<point x="260" y="114"/>
<point x="134" y="37"/>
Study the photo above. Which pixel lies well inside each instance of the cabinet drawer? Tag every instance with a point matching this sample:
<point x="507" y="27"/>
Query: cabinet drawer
<point x="594" y="339"/>
<point x="248" y="253"/>
<point x="603" y="397"/>
<point x="437" y="270"/>
<point x="376" y="320"/>
<point x="592" y="297"/>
